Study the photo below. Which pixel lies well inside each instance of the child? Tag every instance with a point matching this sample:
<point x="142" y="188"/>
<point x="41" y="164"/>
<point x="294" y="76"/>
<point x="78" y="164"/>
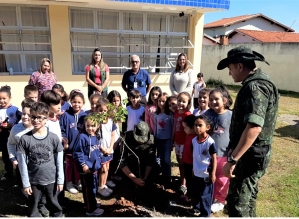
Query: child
<point x="135" y="110"/>
<point x="59" y="89"/>
<point x="187" y="158"/>
<point x="179" y="136"/>
<point x="9" y="115"/>
<point x="86" y="156"/>
<point x="163" y="133"/>
<point x="172" y="102"/>
<point x="15" y="134"/>
<point x="93" y="99"/>
<point x="40" y="158"/>
<point x="220" y="115"/>
<point x="31" y="92"/>
<point x="53" y="100"/>
<point x="107" y="140"/>
<point x="203" y="102"/>
<point x="71" y="123"/>
<point x="151" y="107"/>
<point x="198" y="85"/>
<point x="204" y="167"/>
<point x="114" y="98"/>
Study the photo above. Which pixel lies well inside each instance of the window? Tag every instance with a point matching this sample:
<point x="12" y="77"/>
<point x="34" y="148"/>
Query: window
<point x="24" y="38"/>
<point x="122" y="34"/>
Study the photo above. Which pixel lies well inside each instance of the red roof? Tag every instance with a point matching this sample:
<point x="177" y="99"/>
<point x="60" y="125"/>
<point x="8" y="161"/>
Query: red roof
<point x="269" y="36"/>
<point x="229" y="21"/>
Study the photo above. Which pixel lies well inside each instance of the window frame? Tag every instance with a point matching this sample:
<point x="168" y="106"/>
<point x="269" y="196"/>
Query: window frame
<point x="19" y="28"/>
<point x="121" y="53"/>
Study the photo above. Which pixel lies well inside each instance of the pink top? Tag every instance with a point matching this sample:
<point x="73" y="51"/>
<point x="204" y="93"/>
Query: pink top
<point x="43" y="81"/>
<point x="149" y="117"/>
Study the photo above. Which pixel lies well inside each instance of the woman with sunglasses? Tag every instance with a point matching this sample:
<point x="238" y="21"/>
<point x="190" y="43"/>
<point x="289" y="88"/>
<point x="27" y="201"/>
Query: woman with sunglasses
<point x="97" y="74"/>
<point x="44" y="79"/>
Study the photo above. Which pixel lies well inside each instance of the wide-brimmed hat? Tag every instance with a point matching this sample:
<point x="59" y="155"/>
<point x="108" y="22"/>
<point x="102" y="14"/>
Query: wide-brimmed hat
<point x="141" y="132"/>
<point x="240" y="54"/>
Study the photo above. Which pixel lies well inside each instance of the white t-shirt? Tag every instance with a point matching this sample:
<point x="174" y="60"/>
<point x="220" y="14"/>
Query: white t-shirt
<point x="197" y="87"/>
<point x="134" y="116"/>
<point x="107" y="130"/>
<point x="202" y="156"/>
<point x="54" y="126"/>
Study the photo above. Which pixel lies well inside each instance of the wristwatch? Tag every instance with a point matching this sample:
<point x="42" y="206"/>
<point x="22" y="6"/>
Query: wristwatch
<point x="230" y="159"/>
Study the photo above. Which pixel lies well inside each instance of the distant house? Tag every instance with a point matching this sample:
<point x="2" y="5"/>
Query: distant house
<point x="254" y="36"/>
<point x="225" y="26"/>
<point x="209" y="41"/>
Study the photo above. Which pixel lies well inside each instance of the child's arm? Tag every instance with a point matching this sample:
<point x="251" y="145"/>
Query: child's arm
<point x="203" y="84"/>
<point x="173" y="132"/>
<point x="58" y="155"/>
<point x="111" y="142"/>
<point x="22" y="158"/>
<point x="12" y="147"/>
<point x="213" y="151"/>
<point x="59" y="167"/>
<point x="147" y="115"/>
<point x="214" y="167"/>
<point x="78" y="154"/>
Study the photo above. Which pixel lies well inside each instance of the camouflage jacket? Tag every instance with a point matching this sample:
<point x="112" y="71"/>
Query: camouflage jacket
<point x="256" y="103"/>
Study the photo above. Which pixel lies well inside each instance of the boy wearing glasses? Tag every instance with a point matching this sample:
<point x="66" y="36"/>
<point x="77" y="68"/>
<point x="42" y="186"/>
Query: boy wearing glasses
<point x="40" y="159"/>
<point x="198" y="85"/>
<point x="136" y="78"/>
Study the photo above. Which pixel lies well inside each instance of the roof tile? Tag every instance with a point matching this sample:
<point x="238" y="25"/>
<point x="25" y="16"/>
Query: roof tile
<point x="271" y="36"/>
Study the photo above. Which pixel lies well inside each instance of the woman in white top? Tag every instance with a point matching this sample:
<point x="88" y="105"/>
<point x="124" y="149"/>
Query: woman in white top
<point x="181" y="76"/>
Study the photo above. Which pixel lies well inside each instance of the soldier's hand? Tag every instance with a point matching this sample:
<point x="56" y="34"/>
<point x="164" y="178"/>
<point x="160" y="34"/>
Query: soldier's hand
<point x="228" y="170"/>
<point x="139" y="182"/>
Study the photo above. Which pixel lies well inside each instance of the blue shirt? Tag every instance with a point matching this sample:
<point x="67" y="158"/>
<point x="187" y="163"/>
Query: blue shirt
<point x="142" y="78"/>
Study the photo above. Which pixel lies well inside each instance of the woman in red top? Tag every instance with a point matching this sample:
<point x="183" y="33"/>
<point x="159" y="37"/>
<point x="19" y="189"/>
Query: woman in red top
<point x="97" y="74"/>
<point x="44" y="79"/>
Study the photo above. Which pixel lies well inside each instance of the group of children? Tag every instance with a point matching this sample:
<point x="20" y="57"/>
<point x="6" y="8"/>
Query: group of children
<point x="55" y="129"/>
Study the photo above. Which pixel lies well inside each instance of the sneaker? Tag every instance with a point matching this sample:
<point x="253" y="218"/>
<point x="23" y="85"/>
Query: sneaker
<point x="70" y="188"/>
<point x="110" y="183"/>
<point x="103" y="192"/>
<point x="44" y="212"/>
<point x="116" y="178"/>
<point x="108" y="189"/>
<point x="183" y="190"/>
<point x="95" y="213"/>
<point x="194" y="212"/>
<point x="79" y="186"/>
<point x="217" y="206"/>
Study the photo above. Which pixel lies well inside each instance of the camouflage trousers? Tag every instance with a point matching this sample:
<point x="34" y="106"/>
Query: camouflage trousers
<point x="243" y="189"/>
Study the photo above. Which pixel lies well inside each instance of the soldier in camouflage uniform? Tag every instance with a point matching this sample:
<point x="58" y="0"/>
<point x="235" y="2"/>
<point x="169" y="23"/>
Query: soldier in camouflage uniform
<point x="141" y="142"/>
<point x="251" y="131"/>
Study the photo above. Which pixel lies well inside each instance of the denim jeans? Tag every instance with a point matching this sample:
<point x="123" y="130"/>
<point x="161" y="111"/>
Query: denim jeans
<point x="164" y="151"/>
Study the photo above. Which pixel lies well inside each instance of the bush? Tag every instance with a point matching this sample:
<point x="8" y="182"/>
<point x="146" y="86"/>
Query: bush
<point x="214" y="82"/>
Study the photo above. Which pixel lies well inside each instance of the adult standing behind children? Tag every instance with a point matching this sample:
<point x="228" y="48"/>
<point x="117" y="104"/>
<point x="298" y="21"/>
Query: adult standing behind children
<point x="97" y="74"/>
<point x="181" y="77"/>
<point x="44" y="78"/>
<point x="251" y="131"/>
<point x="137" y="78"/>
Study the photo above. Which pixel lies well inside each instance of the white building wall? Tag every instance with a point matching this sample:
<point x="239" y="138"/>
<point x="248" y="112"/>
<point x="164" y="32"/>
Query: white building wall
<point x="213" y="32"/>
<point x="283" y="59"/>
<point x="239" y="38"/>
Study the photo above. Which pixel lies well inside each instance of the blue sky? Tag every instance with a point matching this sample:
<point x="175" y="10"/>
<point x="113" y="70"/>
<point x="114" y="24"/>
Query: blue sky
<point x="283" y="11"/>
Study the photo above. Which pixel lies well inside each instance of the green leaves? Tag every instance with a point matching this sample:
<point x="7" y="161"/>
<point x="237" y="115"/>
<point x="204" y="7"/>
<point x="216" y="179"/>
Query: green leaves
<point x="117" y="114"/>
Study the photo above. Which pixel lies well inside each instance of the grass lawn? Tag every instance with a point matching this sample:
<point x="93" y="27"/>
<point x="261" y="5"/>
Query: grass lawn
<point x="278" y="189"/>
